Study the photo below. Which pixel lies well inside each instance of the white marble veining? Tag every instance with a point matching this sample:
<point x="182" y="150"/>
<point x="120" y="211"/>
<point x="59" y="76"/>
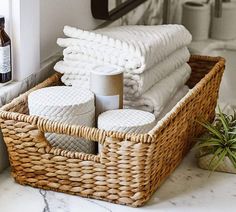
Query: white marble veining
<point x="187" y="189"/>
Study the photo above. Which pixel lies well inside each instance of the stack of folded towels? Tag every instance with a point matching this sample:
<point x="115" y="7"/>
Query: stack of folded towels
<point x="153" y="58"/>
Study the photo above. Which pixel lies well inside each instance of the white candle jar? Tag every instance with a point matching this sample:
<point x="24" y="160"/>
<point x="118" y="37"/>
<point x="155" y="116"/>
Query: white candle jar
<point x="106" y="82"/>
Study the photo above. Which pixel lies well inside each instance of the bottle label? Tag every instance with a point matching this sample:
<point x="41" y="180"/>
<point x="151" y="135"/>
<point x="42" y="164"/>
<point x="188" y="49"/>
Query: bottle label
<point x="104" y="103"/>
<point x="5" y="59"/>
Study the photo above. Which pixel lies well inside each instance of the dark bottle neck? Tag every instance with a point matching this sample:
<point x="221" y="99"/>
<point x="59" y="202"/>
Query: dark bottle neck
<point x="2" y="28"/>
<point x="4" y="38"/>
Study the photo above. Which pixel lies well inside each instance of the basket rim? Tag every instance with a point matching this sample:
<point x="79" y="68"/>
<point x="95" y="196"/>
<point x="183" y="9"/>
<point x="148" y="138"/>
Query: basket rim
<point x="99" y="135"/>
<point x="219" y="66"/>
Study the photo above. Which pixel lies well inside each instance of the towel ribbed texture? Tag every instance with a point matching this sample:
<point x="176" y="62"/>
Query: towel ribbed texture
<point x="155" y="99"/>
<point x="153" y="58"/>
<point x="77" y="73"/>
<point x="132" y="47"/>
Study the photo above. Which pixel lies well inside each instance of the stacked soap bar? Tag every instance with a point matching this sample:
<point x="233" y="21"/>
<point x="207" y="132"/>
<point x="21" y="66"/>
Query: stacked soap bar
<point x="127" y="121"/>
<point x="68" y="105"/>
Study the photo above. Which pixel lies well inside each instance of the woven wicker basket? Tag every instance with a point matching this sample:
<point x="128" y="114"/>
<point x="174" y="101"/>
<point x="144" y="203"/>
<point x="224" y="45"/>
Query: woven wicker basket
<point x="131" y="166"/>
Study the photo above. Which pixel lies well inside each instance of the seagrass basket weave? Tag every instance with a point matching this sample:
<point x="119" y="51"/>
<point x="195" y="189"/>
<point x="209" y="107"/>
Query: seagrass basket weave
<point x="131" y="166"/>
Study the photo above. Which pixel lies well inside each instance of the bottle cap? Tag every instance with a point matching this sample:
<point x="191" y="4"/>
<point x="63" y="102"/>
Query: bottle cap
<point x="2" y="20"/>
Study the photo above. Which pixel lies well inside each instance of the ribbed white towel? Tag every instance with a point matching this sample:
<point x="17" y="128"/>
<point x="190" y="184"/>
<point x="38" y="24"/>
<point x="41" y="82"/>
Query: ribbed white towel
<point x="77" y="73"/>
<point x="132" y="47"/>
<point x="155" y="99"/>
<point x="138" y="84"/>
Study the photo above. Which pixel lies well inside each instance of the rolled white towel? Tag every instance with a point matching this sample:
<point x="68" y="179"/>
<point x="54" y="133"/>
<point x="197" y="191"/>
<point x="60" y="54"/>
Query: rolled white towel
<point x="155" y="99"/>
<point x="131" y="47"/>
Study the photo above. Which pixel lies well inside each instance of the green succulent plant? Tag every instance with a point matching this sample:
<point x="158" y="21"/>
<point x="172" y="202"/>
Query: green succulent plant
<point x="219" y="140"/>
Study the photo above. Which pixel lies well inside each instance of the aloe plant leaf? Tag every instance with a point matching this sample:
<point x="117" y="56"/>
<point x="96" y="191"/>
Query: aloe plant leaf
<point x="231" y="152"/>
<point x="232" y="141"/>
<point x="209" y="144"/>
<point x="233" y="161"/>
<point x="208" y="139"/>
<point x="224" y="123"/>
<point x="233" y="146"/>
<point x="234" y="114"/>
<point x="220" y="159"/>
<point x="217" y="152"/>
<point x="219" y="140"/>
<point x="231" y="156"/>
<point x="212" y="129"/>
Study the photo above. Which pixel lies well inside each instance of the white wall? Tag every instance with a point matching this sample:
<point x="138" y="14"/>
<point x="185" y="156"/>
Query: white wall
<point x="22" y="24"/>
<point x="5" y="11"/>
<point x="35" y="26"/>
<point x="54" y="14"/>
<point x="25" y="38"/>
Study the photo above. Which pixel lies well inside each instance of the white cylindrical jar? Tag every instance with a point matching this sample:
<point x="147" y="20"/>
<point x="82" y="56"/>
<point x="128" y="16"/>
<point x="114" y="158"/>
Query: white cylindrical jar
<point x="196" y="18"/>
<point x="68" y="105"/>
<point x="127" y="121"/>
<point x="106" y="82"/>
<point x="223" y="28"/>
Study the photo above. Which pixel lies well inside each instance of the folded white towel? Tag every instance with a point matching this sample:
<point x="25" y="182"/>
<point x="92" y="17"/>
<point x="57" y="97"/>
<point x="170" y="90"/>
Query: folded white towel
<point x="160" y="94"/>
<point x="77" y="73"/>
<point x="138" y="84"/>
<point x="82" y="67"/>
<point x="132" y="47"/>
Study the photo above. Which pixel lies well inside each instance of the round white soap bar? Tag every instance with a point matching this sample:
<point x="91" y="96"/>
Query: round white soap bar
<point x="68" y="105"/>
<point x="60" y="101"/>
<point x="127" y="120"/>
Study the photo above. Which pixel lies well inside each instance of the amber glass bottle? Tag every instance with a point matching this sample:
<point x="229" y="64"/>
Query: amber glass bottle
<point x="5" y="54"/>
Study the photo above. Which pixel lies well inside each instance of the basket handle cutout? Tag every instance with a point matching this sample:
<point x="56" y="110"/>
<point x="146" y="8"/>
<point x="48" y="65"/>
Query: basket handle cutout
<point x="86" y="133"/>
<point x="89" y="133"/>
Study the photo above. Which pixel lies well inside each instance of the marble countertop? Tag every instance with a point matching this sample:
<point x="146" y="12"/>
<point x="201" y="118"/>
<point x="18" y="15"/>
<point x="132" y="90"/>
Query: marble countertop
<point x="206" y="46"/>
<point x="187" y="189"/>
